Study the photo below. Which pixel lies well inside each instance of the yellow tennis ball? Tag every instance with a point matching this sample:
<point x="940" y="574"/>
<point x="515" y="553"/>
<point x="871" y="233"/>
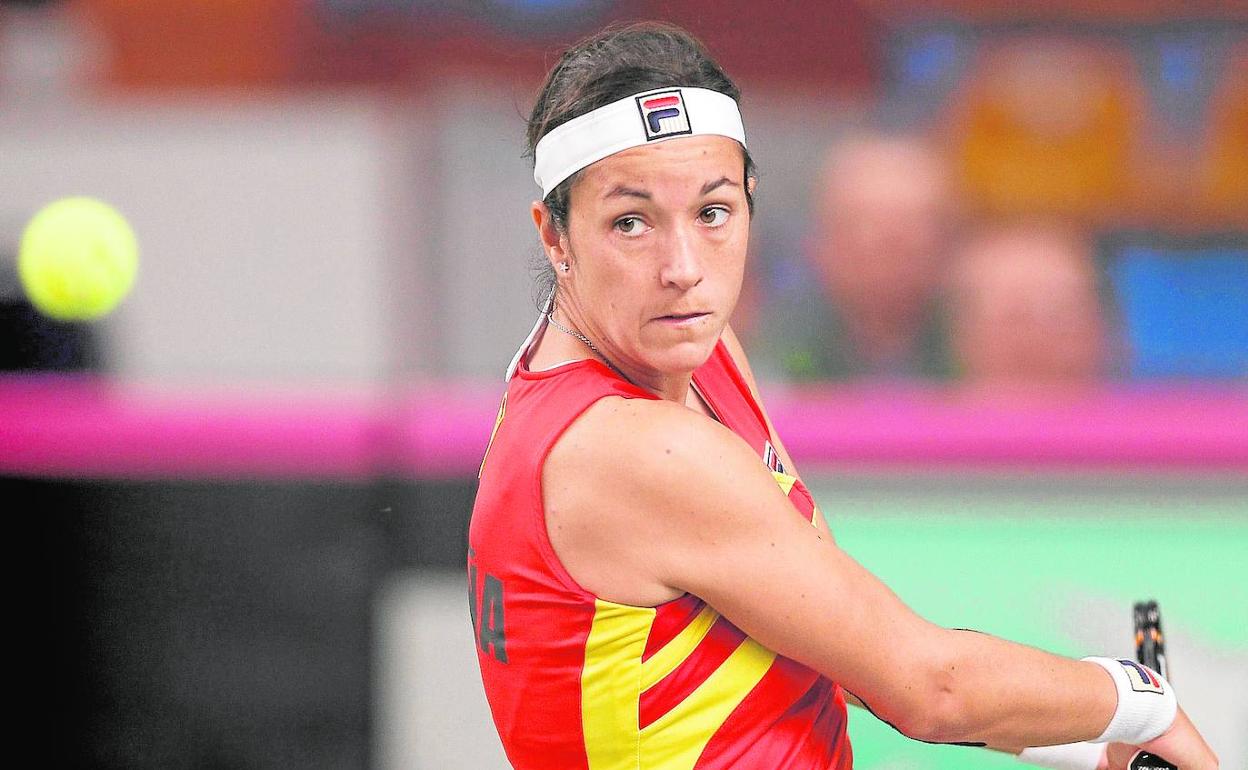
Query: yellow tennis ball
<point x="77" y="259"/>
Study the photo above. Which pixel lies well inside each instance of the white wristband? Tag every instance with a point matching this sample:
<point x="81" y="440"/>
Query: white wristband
<point x="1067" y="756"/>
<point x="1146" y="703"/>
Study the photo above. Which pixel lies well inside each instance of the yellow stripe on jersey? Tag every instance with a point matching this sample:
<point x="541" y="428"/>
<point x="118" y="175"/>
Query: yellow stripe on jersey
<point x="611" y="685"/>
<point x="785" y="481"/>
<point x="669" y="656"/>
<point x="675" y="740"/>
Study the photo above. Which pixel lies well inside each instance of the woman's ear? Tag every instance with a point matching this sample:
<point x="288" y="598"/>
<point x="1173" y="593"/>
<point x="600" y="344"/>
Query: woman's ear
<point x="554" y="245"/>
<point x="751" y="183"/>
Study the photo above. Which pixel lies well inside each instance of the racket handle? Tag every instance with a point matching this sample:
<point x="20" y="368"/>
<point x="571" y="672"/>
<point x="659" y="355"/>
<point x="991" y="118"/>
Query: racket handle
<point x="1150" y="649"/>
<point x="1145" y="761"/>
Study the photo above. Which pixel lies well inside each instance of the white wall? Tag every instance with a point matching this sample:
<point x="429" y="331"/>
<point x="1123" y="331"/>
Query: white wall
<point x="483" y="238"/>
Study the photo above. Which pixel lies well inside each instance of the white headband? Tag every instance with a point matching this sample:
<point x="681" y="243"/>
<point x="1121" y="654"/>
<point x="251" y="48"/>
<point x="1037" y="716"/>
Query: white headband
<point x="633" y="121"/>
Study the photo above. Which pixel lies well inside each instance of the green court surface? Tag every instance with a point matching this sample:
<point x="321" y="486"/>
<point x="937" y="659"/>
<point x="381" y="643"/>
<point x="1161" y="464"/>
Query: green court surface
<point x="1057" y="563"/>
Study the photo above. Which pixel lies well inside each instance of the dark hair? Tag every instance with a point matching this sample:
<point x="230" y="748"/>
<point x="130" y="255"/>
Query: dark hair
<point x="617" y="62"/>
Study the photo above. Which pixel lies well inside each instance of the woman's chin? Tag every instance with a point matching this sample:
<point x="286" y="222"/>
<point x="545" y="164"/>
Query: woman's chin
<point x="683" y="357"/>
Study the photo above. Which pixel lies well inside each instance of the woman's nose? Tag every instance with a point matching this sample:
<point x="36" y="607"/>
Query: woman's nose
<point x="682" y="263"/>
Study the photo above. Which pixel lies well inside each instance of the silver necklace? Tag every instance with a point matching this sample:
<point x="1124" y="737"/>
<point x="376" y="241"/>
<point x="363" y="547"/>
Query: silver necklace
<point x="550" y="316"/>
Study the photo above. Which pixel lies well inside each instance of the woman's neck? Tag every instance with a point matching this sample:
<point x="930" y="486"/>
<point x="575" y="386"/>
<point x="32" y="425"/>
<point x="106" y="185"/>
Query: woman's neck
<point x="555" y="346"/>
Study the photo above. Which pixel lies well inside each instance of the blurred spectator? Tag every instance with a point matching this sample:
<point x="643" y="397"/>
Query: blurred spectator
<point x="882" y="214"/>
<point x="1225" y="166"/>
<point x="1024" y="307"/>
<point x="1049" y="125"/>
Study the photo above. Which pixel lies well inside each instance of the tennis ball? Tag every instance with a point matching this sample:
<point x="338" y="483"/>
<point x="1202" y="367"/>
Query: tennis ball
<point x="77" y="259"/>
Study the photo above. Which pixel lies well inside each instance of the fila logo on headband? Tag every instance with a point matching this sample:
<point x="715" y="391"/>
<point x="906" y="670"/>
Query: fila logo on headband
<point x="612" y="128"/>
<point x="664" y="114"/>
<point x="1141" y="678"/>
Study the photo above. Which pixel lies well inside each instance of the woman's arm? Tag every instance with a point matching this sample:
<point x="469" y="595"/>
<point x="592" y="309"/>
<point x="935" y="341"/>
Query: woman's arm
<point x="651" y="489"/>
<point x="735" y="349"/>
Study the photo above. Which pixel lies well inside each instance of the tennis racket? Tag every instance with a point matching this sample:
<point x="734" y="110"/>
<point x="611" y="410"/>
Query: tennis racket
<point x="1150" y="650"/>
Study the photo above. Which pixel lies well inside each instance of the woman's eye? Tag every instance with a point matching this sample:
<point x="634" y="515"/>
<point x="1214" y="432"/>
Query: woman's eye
<point x="713" y="216"/>
<point x="631" y="226"/>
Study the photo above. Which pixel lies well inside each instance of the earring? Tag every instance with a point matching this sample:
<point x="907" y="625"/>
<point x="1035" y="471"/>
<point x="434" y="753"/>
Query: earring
<point x="564" y="266"/>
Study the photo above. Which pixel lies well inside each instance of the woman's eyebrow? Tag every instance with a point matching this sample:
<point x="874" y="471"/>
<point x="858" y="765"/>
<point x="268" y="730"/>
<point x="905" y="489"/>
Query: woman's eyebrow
<point x="621" y="191"/>
<point x="723" y="180"/>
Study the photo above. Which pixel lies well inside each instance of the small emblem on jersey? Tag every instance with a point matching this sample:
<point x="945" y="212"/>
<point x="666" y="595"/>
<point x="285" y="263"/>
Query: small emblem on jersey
<point x="1141" y="677"/>
<point x="664" y="114"/>
<point x="771" y="459"/>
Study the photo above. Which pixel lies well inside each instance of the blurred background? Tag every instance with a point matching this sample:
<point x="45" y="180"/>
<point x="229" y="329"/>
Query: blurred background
<point x="998" y="303"/>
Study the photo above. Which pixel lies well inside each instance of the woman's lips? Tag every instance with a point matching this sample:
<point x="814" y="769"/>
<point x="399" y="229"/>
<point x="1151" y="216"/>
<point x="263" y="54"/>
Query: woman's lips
<point x="684" y="319"/>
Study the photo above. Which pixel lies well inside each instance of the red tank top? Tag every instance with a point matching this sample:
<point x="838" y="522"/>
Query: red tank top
<point x="575" y="681"/>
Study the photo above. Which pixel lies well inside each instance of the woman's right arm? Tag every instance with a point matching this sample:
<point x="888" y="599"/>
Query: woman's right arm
<point x="669" y="495"/>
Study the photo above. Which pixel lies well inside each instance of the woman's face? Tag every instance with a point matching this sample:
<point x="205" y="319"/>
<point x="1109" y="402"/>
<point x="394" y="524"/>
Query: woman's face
<point x="657" y="239"/>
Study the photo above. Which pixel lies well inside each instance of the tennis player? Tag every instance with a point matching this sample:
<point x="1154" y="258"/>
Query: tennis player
<point x="652" y="585"/>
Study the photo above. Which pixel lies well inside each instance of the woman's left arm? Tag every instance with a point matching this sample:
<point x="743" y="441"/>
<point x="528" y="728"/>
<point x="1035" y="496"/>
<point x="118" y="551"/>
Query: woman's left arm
<point x="735" y="349"/>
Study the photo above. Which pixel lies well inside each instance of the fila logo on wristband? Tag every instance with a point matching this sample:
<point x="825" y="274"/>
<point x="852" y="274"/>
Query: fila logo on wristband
<point x="664" y="114"/>
<point x="1141" y="679"/>
<point x="1146" y="703"/>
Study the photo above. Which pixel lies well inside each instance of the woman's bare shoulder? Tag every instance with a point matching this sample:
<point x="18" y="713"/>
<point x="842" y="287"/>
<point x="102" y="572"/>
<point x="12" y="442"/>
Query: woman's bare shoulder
<point x="635" y="436"/>
<point x="624" y="491"/>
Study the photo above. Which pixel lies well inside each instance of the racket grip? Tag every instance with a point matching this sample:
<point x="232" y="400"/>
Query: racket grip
<point x="1145" y="761"/>
<point x="1151" y="651"/>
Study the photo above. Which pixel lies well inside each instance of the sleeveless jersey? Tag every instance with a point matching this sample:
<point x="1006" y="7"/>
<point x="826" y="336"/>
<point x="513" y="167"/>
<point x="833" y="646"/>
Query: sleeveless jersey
<point x="578" y="682"/>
